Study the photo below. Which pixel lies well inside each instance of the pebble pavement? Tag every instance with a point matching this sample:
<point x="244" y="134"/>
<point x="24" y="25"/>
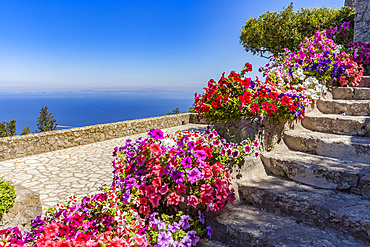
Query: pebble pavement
<point x="78" y="171"/>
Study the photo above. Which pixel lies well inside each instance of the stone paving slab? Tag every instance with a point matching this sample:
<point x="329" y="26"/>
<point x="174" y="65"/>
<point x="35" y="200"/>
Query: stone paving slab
<point x="78" y="171"/>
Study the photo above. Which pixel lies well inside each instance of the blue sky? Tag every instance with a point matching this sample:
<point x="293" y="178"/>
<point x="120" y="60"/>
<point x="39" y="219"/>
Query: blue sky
<point x="119" y="45"/>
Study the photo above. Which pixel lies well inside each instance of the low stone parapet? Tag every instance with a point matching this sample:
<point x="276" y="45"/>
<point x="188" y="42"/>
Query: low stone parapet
<point x="25" y="145"/>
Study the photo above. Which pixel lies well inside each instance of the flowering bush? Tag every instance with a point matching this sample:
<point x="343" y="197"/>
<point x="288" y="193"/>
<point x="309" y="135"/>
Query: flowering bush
<point x="319" y="63"/>
<point x="318" y="60"/>
<point x="360" y="51"/>
<point x="184" y="171"/>
<point x="235" y="96"/>
<point x="99" y="220"/>
<point x="152" y="178"/>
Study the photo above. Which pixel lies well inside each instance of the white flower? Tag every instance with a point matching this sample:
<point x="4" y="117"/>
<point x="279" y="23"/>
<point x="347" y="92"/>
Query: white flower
<point x="168" y="142"/>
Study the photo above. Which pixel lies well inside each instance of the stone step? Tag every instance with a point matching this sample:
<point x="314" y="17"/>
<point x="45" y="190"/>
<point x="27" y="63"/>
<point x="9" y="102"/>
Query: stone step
<point x="346" y="147"/>
<point x="319" y="171"/>
<point x="337" y="124"/>
<point x="245" y="225"/>
<point x="343" y="212"/>
<point x="344" y="107"/>
<point x="351" y="93"/>
<point x="204" y="242"/>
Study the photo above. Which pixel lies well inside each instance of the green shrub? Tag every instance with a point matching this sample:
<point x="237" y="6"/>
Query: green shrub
<point x="272" y="32"/>
<point x="7" y="196"/>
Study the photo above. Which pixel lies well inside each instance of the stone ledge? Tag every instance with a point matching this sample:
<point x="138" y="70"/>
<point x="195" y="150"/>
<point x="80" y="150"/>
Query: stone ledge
<point x="21" y="146"/>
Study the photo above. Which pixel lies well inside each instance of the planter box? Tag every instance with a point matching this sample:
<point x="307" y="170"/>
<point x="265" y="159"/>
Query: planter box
<point x="265" y="131"/>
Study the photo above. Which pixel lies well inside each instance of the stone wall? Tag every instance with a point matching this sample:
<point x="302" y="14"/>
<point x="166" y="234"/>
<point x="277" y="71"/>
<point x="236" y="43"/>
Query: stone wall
<point x="25" y="145"/>
<point x="362" y="24"/>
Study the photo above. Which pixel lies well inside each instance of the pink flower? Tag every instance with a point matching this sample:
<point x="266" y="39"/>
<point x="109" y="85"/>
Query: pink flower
<point x="205" y="199"/>
<point x="206" y="189"/>
<point x="192" y="201"/>
<point x="150" y="191"/>
<point x="207" y="173"/>
<point x="164" y="189"/>
<point x="157" y="182"/>
<point x="174" y="199"/>
<point x="154" y="200"/>
<point x="155" y="149"/>
<point x="181" y="188"/>
<point x="51" y="230"/>
<point x="49" y="243"/>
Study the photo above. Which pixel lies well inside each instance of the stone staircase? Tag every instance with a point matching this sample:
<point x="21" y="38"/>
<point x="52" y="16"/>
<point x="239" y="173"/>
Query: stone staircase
<point x="314" y="188"/>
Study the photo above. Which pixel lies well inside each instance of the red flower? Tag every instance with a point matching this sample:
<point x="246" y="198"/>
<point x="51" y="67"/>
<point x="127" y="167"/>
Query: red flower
<point x="269" y="108"/>
<point x="247" y="67"/>
<point x="204" y="108"/>
<point x="214" y="104"/>
<point x="255" y="108"/>
<point x="246" y="82"/>
<point x="144" y="210"/>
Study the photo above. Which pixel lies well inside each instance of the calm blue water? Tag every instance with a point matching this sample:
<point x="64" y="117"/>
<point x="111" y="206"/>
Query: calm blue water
<point x="82" y="109"/>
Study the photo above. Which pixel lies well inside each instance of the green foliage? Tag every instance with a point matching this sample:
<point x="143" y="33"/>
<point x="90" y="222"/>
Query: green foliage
<point x="45" y="121"/>
<point x="176" y="111"/>
<point x="7" y="196"/>
<point x="26" y="131"/>
<point x="272" y="32"/>
<point x="7" y="129"/>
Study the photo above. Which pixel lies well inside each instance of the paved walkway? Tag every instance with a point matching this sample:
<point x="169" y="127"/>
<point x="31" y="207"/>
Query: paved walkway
<point x="78" y="171"/>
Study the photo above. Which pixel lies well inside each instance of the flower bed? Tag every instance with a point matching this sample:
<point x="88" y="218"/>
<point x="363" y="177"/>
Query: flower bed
<point x="235" y="96"/>
<point x="162" y="185"/>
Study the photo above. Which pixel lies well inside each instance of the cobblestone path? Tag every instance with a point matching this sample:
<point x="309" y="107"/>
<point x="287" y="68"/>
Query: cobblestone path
<point x="78" y="171"/>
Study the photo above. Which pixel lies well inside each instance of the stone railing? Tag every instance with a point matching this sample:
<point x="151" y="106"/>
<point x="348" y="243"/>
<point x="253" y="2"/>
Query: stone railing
<point x="25" y="145"/>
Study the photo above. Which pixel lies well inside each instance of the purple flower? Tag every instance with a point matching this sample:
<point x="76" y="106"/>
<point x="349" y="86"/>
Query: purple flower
<point x="193" y="175"/>
<point x="130" y="182"/>
<point x="173" y="227"/>
<point x="345" y="25"/>
<point x="184" y="221"/>
<point x="164" y="239"/>
<point x="177" y="176"/>
<point x="194" y="239"/>
<point x="200" y="154"/>
<point x="185" y="242"/>
<point x="191" y="145"/>
<point x="201" y="217"/>
<point x="186" y="163"/>
<point x="140" y="173"/>
<point x="152" y="219"/>
<point x="126" y="196"/>
<point x="209" y="231"/>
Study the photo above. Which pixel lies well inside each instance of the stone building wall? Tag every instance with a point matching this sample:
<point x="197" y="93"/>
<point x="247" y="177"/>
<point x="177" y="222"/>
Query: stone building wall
<point x="362" y="25"/>
<point x="24" y="145"/>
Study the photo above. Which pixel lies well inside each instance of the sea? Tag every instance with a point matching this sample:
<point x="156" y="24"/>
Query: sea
<point x="77" y="109"/>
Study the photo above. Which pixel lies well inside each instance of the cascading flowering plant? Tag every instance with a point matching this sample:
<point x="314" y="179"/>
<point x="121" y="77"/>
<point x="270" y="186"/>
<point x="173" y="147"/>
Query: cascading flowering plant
<point x="235" y="96"/>
<point x="182" y="171"/>
<point x="161" y="186"/>
<point x="99" y="220"/>
<point x="318" y="64"/>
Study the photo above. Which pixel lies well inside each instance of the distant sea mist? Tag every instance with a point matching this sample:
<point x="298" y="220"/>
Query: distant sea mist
<point x="72" y="109"/>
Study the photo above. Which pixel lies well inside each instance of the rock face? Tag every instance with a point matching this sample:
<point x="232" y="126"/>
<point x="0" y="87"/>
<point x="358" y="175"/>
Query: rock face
<point x="27" y="206"/>
<point x="362" y="23"/>
<point x="313" y="188"/>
